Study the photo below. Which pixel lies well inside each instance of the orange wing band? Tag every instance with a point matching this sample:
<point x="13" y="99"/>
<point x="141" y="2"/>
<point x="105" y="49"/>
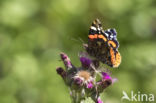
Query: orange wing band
<point x="112" y="43"/>
<point x="95" y="36"/>
<point x="102" y="37"/>
<point x="115" y="58"/>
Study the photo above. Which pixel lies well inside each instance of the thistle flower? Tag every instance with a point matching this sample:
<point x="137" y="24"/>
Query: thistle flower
<point x="105" y="81"/>
<point x="61" y="72"/>
<point x="99" y="100"/>
<point x="85" y="62"/>
<point x="66" y="60"/>
<point x="82" y="80"/>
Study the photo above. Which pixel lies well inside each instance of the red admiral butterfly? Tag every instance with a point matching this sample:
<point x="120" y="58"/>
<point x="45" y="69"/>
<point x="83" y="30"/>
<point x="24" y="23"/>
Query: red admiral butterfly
<point x="103" y="45"/>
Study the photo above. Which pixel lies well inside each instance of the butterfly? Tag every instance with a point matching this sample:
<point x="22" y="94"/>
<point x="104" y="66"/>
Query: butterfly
<point x="103" y="44"/>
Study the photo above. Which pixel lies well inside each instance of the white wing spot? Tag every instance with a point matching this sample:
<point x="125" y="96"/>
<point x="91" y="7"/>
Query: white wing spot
<point x="107" y="34"/>
<point x="108" y="30"/>
<point x="111" y="36"/>
<point x="93" y="28"/>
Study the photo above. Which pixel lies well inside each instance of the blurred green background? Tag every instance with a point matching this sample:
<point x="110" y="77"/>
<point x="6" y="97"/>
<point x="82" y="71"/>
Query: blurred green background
<point x="34" y="32"/>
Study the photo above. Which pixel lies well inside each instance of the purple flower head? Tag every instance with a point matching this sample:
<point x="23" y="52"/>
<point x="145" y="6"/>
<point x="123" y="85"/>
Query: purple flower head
<point x="66" y="60"/>
<point x="61" y="72"/>
<point x="105" y="82"/>
<point x="63" y="56"/>
<point x="99" y="100"/>
<point x="90" y="85"/>
<point x="85" y="62"/>
<point x="78" y="81"/>
<point x="105" y="76"/>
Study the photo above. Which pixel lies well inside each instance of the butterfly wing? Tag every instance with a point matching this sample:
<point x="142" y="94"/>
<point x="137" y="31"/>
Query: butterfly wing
<point x="97" y="41"/>
<point x="115" y="57"/>
<point x="112" y="38"/>
<point x="103" y="45"/>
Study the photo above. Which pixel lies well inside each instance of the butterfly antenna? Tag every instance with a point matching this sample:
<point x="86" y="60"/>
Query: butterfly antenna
<point x="73" y="39"/>
<point x="82" y="41"/>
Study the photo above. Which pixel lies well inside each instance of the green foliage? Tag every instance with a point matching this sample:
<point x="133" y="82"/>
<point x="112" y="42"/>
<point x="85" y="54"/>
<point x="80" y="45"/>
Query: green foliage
<point x="34" y="32"/>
